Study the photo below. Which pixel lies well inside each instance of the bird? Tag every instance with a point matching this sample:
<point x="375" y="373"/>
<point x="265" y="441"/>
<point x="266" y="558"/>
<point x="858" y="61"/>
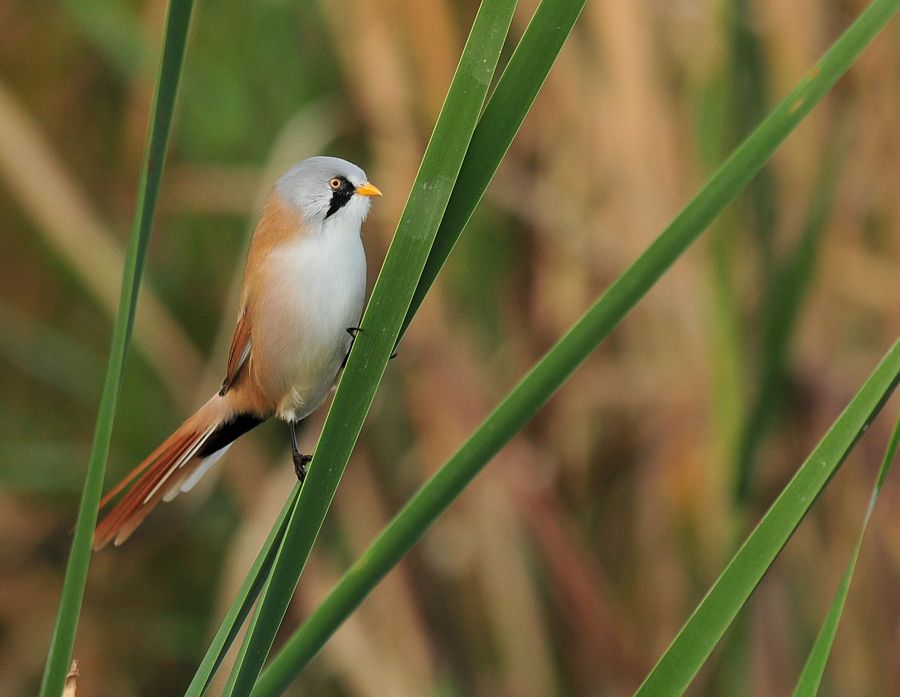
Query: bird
<point x="301" y="302"/>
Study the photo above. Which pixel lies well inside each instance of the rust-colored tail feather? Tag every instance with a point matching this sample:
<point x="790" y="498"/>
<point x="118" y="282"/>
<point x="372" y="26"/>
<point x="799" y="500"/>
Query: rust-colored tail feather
<point x="163" y="470"/>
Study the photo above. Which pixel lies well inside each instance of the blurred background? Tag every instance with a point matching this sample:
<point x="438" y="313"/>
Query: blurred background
<point x="572" y="561"/>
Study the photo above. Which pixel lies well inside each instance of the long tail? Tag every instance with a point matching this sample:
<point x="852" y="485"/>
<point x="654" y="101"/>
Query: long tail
<point x="175" y="466"/>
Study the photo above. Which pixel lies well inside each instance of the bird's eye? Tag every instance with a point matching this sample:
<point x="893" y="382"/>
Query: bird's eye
<point x="335" y="183"/>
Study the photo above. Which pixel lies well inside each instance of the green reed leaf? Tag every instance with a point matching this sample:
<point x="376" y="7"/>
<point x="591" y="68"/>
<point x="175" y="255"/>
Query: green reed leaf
<point x="63" y="639"/>
<point x="380" y="325"/>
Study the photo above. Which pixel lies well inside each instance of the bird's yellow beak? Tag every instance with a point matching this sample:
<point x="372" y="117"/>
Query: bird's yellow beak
<point x="367" y="189"/>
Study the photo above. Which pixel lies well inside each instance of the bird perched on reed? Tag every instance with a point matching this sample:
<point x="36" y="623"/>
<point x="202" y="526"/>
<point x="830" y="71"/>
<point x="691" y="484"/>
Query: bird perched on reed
<point x="301" y="300"/>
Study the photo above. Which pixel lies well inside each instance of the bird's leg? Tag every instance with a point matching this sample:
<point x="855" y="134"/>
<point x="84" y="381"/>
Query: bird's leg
<point x="300" y="460"/>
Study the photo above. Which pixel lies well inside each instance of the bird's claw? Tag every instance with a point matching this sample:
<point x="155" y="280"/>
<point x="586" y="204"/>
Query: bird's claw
<point x="300" y="462"/>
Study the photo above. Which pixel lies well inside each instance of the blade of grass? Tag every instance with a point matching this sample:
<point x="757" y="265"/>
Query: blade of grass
<point x="781" y="314"/>
<point x="240" y="607"/>
<point x="63" y="640"/>
<point x="506" y="109"/>
<point x="230" y="686"/>
<point x="746" y="91"/>
<point x="381" y="323"/>
<point x="727" y="408"/>
<point x="687" y="653"/>
<point x="811" y="677"/>
<point x="558" y="364"/>
<point x="423" y="509"/>
<point x="747" y="83"/>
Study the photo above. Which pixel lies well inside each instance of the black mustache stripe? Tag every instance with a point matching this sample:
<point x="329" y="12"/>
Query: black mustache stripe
<point x="341" y="197"/>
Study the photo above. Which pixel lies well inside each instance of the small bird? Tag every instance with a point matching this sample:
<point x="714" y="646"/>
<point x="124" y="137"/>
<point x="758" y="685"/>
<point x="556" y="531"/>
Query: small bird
<point x="301" y="301"/>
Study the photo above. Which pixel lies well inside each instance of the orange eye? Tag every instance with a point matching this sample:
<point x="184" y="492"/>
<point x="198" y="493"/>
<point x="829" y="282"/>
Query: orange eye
<point x="335" y="183"/>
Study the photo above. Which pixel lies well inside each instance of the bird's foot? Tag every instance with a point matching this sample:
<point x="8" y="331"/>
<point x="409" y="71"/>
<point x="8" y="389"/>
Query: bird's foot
<point x="300" y="462"/>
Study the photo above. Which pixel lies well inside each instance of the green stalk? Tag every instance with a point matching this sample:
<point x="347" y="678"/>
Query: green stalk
<point x="781" y="314"/>
<point x="559" y="363"/>
<point x="231" y="685"/>
<point x="63" y="640"/>
<point x="811" y="677"/>
<point x="240" y="608"/>
<point x="681" y="661"/>
<point x="718" y="609"/>
<point x="506" y="109"/>
<point x="380" y="325"/>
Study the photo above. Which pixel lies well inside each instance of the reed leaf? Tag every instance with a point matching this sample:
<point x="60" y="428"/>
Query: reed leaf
<point x="559" y="363"/>
<point x="63" y="640"/>
<point x="814" y="669"/>
<point x="506" y="109"/>
<point x="380" y="325"/>
<point x="239" y="609"/>
<point x="687" y="653"/>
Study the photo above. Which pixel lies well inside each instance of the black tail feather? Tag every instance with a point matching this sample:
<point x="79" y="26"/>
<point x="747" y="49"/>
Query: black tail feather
<point x="228" y="432"/>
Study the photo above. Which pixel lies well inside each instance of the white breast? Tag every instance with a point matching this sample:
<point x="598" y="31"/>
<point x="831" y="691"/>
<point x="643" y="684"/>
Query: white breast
<point x="315" y="290"/>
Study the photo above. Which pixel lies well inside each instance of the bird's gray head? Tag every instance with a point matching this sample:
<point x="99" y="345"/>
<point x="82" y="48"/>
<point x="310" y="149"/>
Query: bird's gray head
<point x="328" y="189"/>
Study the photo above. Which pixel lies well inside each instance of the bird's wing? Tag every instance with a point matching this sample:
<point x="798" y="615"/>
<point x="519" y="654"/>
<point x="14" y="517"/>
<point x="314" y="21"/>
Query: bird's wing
<point x="239" y="352"/>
